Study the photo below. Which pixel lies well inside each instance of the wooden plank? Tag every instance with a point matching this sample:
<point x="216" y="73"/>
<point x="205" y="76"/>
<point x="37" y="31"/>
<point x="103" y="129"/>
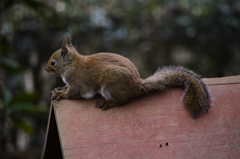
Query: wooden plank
<point x="222" y="80"/>
<point x="136" y="129"/>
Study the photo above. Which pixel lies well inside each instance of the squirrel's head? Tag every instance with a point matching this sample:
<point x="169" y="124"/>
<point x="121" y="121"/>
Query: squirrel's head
<point x="62" y="59"/>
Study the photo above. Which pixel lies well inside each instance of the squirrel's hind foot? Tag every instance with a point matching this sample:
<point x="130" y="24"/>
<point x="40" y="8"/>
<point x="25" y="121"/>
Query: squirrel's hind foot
<point x="104" y="105"/>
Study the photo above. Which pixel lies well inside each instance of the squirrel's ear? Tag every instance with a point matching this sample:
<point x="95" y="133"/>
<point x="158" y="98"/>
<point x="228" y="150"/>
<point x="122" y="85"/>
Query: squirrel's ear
<point x="66" y="42"/>
<point x="64" y="51"/>
<point x="69" y="42"/>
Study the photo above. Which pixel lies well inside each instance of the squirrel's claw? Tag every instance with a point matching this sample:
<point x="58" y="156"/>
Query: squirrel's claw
<point x="58" y="92"/>
<point x="55" y="95"/>
<point x="101" y="105"/>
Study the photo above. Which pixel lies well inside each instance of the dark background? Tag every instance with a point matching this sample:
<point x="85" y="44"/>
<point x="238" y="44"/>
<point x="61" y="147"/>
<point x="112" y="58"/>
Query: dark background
<point x="201" y="35"/>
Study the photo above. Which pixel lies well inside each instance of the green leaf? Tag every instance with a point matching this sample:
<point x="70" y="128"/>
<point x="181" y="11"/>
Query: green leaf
<point x="22" y="98"/>
<point x="11" y="66"/>
<point x="27" y="107"/>
<point x="24" y="126"/>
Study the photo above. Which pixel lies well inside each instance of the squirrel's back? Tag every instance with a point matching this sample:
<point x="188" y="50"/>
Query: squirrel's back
<point x="106" y="60"/>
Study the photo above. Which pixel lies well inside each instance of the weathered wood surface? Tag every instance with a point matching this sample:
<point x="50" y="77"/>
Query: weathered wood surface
<point x="136" y="129"/>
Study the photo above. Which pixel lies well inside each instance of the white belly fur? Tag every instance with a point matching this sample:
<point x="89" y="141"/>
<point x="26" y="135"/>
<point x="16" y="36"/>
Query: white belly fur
<point x="64" y="80"/>
<point x="88" y="95"/>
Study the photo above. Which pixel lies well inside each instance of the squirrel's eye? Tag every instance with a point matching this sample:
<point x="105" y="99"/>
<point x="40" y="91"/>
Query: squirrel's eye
<point x="52" y="62"/>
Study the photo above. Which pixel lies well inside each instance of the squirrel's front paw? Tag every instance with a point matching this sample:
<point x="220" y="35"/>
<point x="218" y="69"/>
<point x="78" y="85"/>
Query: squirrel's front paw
<point x="60" y="89"/>
<point x="56" y="95"/>
<point x="58" y="92"/>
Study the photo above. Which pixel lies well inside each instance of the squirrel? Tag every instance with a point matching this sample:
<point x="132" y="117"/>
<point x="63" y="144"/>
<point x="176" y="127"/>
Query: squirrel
<point x="117" y="80"/>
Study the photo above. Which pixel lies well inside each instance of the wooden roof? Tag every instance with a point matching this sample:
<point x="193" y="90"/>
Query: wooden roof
<point x="155" y="126"/>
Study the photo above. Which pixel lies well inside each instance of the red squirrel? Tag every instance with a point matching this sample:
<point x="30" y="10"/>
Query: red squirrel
<point x="117" y="79"/>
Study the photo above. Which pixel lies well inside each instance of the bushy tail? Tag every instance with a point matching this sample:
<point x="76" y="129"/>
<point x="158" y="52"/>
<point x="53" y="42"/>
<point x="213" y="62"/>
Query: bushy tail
<point x="196" y="96"/>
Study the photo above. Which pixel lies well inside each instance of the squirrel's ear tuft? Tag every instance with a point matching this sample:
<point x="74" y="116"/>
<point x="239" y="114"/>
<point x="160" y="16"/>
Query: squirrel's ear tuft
<point x="64" y="42"/>
<point x="67" y="41"/>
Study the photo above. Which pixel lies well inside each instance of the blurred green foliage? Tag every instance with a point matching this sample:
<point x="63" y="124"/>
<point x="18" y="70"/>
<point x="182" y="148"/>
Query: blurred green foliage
<point x="15" y="109"/>
<point x="11" y="112"/>
<point x="17" y="104"/>
<point x="201" y="35"/>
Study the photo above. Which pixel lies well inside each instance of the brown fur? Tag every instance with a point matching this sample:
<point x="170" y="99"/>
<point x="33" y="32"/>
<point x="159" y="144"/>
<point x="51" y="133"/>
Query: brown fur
<point x="118" y="81"/>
